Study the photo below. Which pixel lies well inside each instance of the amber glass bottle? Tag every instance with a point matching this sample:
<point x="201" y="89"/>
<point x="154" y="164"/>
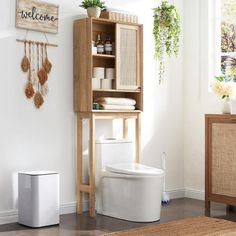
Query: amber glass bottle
<point x="108" y="46"/>
<point x="100" y="45"/>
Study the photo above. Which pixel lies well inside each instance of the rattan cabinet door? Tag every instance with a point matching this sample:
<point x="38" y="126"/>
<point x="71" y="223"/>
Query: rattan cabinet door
<point x="128" y="56"/>
<point x="223" y="162"/>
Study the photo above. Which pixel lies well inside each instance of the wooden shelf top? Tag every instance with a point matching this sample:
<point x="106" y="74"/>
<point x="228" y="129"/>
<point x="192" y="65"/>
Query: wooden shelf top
<point x="116" y="111"/>
<point x="104" y="56"/>
<point x="220" y="115"/>
<point x="110" y="114"/>
<point x="109" y="21"/>
<point x="117" y="90"/>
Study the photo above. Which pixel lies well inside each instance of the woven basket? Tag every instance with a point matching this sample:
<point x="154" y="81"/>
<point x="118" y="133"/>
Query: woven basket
<point x="128" y="18"/>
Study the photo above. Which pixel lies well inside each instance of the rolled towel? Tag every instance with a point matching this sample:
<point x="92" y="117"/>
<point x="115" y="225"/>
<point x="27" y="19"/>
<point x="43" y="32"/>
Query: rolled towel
<point x="115" y="107"/>
<point x="116" y="101"/>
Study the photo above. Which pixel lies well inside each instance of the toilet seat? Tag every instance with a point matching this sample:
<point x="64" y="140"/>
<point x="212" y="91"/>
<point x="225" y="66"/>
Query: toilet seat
<point x="134" y="169"/>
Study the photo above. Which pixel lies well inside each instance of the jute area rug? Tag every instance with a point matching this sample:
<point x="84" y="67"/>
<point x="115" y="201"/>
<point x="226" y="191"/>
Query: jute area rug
<point x="197" y="226"/>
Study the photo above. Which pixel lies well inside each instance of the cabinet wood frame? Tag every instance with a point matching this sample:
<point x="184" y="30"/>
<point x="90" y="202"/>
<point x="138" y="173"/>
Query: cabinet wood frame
<point x="209" y="195"/>
<point x="83" y="64"/>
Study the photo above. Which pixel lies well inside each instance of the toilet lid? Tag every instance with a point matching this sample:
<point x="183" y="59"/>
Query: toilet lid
<point x="36" y="173"/>
<point x="134" y="169"/>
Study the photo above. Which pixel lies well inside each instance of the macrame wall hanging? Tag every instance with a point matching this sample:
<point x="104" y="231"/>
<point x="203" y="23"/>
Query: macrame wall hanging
<point x="36" y="64"/>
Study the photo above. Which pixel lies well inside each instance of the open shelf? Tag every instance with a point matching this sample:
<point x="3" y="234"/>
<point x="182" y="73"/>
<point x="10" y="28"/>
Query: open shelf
<point x="133" y="94"/>
<point x="104" y="56"/>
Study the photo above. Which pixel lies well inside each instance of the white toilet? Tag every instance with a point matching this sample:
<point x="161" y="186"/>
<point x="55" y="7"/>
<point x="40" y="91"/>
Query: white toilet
<point x="125" y="189"/>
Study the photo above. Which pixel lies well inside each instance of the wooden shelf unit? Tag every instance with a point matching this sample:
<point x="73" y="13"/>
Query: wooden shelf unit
<point x="220" y="159"/>
<point x="128" y="84"/>
<point x="85" y="31"/>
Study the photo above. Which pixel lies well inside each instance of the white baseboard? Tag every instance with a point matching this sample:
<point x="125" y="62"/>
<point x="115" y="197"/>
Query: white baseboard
<point x="188" y="193"/>
<point x="67" y="208"/>
<point x="11" y="216"/>
<point x="194" y="194"/>
<point x="176" y="193"/>
<point x="7" y="217"/>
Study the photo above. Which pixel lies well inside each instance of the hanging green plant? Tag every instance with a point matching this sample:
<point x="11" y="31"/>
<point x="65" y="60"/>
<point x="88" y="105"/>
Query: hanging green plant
<point x="166" y="31"/>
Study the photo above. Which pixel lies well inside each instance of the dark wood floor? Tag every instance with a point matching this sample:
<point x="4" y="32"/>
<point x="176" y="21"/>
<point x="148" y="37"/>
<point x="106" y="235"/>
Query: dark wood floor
<point x="73" y="225"/>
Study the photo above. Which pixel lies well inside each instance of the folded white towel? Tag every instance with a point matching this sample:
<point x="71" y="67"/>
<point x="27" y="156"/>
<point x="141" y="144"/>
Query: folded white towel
<point x="116" y="107"/>
<point x="116" y="101"/>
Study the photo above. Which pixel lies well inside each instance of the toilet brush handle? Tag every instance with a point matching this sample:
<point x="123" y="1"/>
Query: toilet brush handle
<point x="164" y="168"/>
<point x="163" y="161"/>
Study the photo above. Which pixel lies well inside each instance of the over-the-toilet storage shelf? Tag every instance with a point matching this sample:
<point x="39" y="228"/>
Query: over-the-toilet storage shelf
<point x="128" y="63"/>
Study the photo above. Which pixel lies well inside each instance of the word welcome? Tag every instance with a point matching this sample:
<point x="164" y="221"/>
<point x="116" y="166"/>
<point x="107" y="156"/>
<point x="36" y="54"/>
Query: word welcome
<point x="32" y="14"/>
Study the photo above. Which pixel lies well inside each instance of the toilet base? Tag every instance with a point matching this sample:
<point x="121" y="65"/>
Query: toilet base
<point x="131" y="198"/>
<point x="129" y="219"/>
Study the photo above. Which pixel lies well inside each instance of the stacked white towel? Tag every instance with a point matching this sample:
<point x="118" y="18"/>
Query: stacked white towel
<point x="111" y="103"/>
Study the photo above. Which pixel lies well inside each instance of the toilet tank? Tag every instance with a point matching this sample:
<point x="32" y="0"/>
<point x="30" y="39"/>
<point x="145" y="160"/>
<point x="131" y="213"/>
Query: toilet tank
<point x="112" y="151"/>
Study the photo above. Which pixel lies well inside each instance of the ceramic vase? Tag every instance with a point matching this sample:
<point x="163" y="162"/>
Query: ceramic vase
<point x="226" y="106"/>
<point x="94" y="11"/>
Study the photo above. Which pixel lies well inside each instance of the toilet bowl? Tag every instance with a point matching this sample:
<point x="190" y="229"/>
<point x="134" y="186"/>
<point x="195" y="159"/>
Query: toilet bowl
<point x="124" y="189"/>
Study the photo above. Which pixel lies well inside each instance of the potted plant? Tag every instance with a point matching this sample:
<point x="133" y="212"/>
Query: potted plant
<point x="166" y="31"/>
<point x="93" y="7"/>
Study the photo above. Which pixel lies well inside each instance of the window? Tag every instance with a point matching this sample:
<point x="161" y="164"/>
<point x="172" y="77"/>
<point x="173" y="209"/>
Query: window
<point x="228" y="39"/>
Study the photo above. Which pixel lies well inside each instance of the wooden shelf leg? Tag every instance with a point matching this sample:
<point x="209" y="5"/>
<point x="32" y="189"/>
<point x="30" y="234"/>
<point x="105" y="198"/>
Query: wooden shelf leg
<point x="207" y="207"/>
<point x="207" y="204"/>
<point x="91" y="166"/>
<point x="125" y="128"/>
<point x="79" y="165"/>
<point x="138" y="138"/>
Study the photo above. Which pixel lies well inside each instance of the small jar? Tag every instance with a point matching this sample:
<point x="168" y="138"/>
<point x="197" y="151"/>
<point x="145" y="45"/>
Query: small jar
<point x="95" y="106"/>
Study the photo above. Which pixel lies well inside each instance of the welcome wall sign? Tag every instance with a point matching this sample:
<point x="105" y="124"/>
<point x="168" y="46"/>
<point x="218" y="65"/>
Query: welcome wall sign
<point x="37" y="15"/>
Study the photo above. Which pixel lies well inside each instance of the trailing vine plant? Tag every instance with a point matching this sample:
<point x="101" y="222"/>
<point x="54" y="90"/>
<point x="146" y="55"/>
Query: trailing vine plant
<point x="166" y="31"/>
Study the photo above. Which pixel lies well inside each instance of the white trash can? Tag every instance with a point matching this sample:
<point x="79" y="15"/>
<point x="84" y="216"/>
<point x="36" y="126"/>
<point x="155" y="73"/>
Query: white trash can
<point x="38" y="200"/>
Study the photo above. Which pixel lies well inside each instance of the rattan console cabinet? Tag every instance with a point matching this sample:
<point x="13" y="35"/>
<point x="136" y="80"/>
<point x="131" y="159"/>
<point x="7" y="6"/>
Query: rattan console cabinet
<point x="220" y="159"/>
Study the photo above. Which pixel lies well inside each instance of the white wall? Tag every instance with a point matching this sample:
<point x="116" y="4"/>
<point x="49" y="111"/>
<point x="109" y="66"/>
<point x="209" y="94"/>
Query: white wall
<point x="46" y="139"/>
<point x="198" y="100"/>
